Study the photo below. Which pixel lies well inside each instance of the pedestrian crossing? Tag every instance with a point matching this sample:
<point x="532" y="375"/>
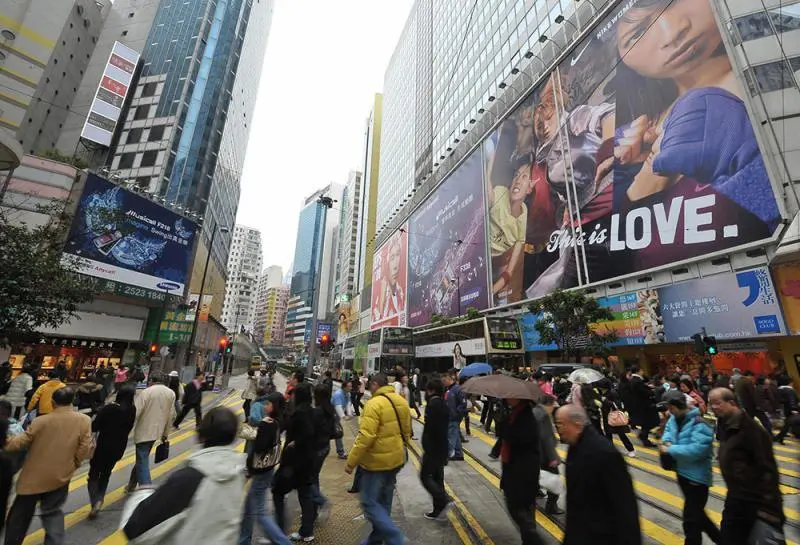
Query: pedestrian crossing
<point x="77" y="508"/>
<point x="656" y="487"/>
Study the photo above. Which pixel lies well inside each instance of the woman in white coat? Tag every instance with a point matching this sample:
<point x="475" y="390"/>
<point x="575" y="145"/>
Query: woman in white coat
<point x="16" y="392"/>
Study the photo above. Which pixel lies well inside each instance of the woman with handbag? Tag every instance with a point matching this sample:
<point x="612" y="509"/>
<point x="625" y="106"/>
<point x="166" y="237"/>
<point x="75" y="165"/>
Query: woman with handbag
<point x="262" y="456"/>
<point x="615" y="420"/>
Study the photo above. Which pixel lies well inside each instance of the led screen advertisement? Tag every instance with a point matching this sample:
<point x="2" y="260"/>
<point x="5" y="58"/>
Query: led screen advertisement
<point x="124" y="237"/>
<point x="389" y="282"/>
<point x="114" y="86"/>
<point x="636" y="153"/>
<point x="729" y="306"/>
<point x="447" y="248"/>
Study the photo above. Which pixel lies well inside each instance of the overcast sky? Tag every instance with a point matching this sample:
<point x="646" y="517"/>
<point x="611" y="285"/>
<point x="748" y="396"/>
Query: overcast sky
<point x="324" y="62"/>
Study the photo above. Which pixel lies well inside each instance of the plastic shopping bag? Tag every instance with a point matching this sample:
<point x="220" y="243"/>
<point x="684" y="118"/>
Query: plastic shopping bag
<point x="551" y="482"/>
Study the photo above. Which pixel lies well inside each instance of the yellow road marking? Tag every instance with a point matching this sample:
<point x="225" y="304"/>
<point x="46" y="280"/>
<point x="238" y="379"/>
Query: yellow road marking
<point x="118" y="537"/>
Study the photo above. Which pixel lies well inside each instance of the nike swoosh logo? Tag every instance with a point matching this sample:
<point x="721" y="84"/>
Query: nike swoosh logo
<point x="701" y="187"/>
<point x="577" y="57"/>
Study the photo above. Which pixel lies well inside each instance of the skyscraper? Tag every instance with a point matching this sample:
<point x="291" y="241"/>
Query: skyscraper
<point x="348" y="236"/>
<point x="275" y="315"/>
<point x="244" y="266"/>
<point x="271" y="277"/>
<point x="45" y="48"/>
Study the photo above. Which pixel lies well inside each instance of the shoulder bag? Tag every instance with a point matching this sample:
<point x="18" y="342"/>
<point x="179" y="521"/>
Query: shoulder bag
<point x="397" y="415"/>
<point x="268" y="459"/>
<point x="617" y="418"/>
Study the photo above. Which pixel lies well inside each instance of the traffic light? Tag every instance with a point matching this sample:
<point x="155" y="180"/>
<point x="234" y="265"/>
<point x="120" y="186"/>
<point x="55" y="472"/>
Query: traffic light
<point x="324" y="343"/>
<point x="228" y="345"/>
<point x="710" y="345"/>
<point x="153" y="349"/>
<point x="699" y="345"/>
<point x="223" y="345"/>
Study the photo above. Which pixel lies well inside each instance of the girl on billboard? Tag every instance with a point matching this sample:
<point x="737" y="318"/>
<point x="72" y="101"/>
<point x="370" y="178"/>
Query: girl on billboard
<point x="391" y="297"/>
<point x="683" y="132"/>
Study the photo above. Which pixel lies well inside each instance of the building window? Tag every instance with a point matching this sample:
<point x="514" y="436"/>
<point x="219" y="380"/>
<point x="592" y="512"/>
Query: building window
<point x="126" y="160"/>
<point x="149" y="89"/>
<point x="149" y="158"/>
<point x="141" y="112"/>
<point x="156" y="134"/>
<point x="134" y="136"/>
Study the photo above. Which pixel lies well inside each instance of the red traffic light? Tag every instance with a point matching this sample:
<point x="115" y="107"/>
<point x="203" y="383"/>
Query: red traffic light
<point x="325" y="338"/>
<point x="223" y="342"/>
<point x="153" y="348"/>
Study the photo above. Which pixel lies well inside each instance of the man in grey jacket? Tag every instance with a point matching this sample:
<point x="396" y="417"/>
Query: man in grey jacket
<point x="200" y="503"/>
<point x="548" y="456"/>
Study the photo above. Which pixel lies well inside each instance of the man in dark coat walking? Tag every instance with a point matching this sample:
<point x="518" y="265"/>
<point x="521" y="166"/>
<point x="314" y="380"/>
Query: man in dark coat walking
<point x="435" y="448"/>
<point x="749" y="469"/>
<point x="643" y="409"/>
<point x="519" y="452"/>
<point x="192" y="401"/>
<point x="601" y="504"/>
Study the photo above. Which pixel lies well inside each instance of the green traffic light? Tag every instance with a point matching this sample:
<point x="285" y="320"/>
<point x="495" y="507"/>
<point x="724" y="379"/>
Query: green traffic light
<point x="712" y="350"/>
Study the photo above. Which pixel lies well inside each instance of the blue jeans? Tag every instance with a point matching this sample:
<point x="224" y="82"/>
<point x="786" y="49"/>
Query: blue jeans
<point x="339" y="444"/>
<point x="255" y="510"/>
<point x="454" y="438"/>
<point x="377" y="491"/>
<point x="140" y="474"/>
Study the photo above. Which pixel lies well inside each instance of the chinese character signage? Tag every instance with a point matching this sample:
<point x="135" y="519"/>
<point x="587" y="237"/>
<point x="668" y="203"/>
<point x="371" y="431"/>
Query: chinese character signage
<point x="175" y="327"/>
<point x="637" y="318"/>
<point x="127" y="238"/>
<point x="729" y="306"/>
<point x="110" y="95"/>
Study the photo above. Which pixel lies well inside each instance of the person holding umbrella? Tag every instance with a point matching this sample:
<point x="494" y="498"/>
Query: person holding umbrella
<point x="519" y="449"/>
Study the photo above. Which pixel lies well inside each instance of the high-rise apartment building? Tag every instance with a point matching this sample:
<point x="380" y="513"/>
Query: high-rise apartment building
<point x="298" y="322"/>
<point x="244" y="273"/>
<point x="275" y="315"/>
<point x="368" y="212"/>
<point x="348" y="236"/>
<point x="271" y="277"/>
<point x="45" y="48"/>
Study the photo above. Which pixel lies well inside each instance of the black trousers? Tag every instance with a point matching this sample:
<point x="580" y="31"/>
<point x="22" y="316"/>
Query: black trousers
<point x="487" y="415"/>
<point x="97" y="483"/>
<point x="21" y="515"/>
<point x="246" y="408"/>
<point x="738" y="519"/>
<point x="6" y="481"/>
<point x="787" y="426"/>
<point x="496" y="448"/>
<point x="524" y="516"/>
<point x="644" y="435"/>
<point x="695" y="520"/>
<point x="356" y="400"/>
<point x="622" y="437"/>
<point x="198" y="414"/>
<point x="466" y="423"/>
<point x="431" y="473"/>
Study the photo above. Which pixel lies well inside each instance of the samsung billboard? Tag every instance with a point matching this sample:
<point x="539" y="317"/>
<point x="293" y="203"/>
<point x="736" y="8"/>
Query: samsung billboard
<point x="636" y="153"/>
<point x="112" y="90"/>
<point x="125" y="237"/>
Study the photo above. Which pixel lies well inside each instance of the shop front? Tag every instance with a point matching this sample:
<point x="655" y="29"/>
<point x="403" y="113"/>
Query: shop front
<point x="80" y="356"/>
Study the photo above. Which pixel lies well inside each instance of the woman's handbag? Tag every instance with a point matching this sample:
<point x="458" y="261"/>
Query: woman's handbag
<point x="338" y="430"/>
<point x="248" y="432"/>
<point x="617" y="418"/>
<point x="268" y="459"/>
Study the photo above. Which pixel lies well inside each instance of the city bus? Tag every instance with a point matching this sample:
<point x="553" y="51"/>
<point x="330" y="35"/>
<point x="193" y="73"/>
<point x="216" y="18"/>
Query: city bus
<point x="497" y="341"/>
<point x="379" y="350"/>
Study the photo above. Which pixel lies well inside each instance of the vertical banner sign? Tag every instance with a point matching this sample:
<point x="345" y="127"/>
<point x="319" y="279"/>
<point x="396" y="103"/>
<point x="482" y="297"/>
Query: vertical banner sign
<point x="599" y="174"/>
<point x="729" y="306"/>
<point x="110" y="95"/>
<point x="637" y="318"/>
<point x="389" y="272"/>
<point x="447" y="247"/>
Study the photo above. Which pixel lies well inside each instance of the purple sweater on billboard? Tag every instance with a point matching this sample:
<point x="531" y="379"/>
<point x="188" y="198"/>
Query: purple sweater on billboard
<point x="708" y="137"/>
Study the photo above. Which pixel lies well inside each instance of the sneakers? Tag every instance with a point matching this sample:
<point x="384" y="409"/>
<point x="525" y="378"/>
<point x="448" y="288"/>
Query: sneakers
<point x="343" y="456"/>
<point x="297" y="537"/>
<point x="631" y="454"/>
<point x="457" y="458"/>
<point x="323" y="512"/>
<point x="440" y="515"/>
<point x="494" y="456"/>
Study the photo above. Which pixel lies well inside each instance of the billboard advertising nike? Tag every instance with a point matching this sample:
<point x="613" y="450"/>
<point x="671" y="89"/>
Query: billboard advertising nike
<point x="635" y="154"/>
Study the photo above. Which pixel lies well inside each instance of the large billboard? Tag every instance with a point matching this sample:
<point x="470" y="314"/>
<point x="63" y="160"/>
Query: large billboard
<point x="124" y="237"/>
<point x="389" y="281"/>
<point x="729" y="306"/>
<point x="114" y="86"/>
<point x="636" y="153"/>
<point x="447" y="247"/>
<point x="787" y="280"/>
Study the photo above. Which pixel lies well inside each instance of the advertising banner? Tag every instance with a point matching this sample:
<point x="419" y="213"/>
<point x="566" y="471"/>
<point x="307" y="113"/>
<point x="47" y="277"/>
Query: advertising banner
<point x="127" y="238"/>
<point x="110" y="95"/>
<point x="205" y="308"/>
<point x="530" y="337"/>
<point x="389" y="273"/>
<point x="787" y="278"/>
<point x="175" y="327"/>
<point x="447" y="248"/>
<point x="729" y="306"/>
<point x="637" y="318"/>
<point x="617" y="172"/>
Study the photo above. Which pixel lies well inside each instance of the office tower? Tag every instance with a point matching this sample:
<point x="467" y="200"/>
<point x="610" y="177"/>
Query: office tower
<point x="369" y="204"/>
<point x="244" y="266"/>
<point x="298" y="322"/>
<point x="348" y="236"/>
<point x="45" y="48"/>
<point x="271" y="277"/>
<point x="184" y="133"/>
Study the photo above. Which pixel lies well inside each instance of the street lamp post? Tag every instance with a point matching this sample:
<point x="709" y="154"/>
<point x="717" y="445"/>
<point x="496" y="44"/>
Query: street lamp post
<point x="214" y="229"/>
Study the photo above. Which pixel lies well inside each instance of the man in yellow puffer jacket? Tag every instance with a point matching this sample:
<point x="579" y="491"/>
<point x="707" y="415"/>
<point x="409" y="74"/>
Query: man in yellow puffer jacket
<point x="379" y="451"/>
